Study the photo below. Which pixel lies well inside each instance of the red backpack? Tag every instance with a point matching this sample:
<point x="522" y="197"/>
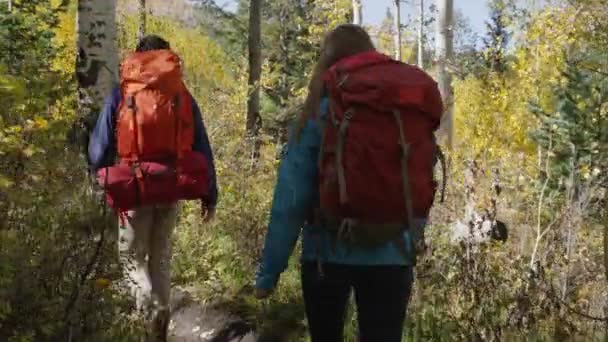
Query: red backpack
<point x="378" y="148"/>
<point x="154" y="136"/>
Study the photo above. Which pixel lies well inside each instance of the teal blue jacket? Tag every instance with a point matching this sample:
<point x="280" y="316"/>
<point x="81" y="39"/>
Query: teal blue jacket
<point x="295" y="194"/>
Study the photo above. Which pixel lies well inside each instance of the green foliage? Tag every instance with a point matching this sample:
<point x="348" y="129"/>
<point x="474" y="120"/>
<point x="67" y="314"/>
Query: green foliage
<point x="291" y="35"/>
<point x="25" y="34"/>
<point x="575" y="135"/>
<point x="51" y="229"/>
<point x="498" y="36"/>
<point x="556" y="66"/>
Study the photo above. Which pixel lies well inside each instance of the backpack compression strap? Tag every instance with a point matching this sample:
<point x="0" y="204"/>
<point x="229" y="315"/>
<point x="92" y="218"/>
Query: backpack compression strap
<point x="405" y="148"/>
<point x="348" y="115"/>
<point x="405" y="179"/>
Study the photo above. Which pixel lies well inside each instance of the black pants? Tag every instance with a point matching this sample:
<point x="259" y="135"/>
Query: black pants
<point x="381" y="295"/>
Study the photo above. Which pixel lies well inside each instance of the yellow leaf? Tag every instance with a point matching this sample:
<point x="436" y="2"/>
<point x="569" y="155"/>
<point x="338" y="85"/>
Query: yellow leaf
<point x="41" y="123"/>
<point x="102" y="283"/>
<point x="5" y="183"/>
<point x="28" y="151"/>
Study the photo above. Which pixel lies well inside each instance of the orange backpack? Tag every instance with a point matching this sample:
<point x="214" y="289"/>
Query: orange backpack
<point x="155" y="114"/>
<point x="154" y="137"/>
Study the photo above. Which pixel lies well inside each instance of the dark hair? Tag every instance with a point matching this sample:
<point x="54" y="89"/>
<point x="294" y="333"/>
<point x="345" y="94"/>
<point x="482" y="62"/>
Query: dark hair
<point x="152" y="42"/>
<point x="343" y="41"/>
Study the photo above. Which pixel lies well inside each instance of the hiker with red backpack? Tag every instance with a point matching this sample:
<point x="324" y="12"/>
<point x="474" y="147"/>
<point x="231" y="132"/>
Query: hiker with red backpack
<point x="357" y="182"/>
<point x="153" y="126"/>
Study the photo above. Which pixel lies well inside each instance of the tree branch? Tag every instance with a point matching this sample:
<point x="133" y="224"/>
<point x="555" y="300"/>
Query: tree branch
<point x="84" y="276"/>
<point x="572" y="310"/>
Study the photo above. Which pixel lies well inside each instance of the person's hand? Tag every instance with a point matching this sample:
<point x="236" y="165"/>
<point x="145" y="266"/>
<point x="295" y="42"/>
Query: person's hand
<point x="263" y="293"/>
<point x="207" y="213"/>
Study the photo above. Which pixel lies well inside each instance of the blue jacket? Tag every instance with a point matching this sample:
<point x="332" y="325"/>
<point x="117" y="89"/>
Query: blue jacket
<point x="102" y="144"/>
<point x="295" y="193"/>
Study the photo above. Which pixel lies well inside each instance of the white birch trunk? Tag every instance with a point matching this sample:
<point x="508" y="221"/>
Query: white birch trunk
<point x="357" y="12"/>
<point x="445" y="33"/>
<point x="97" y="60"/>
<point x="397" y="24"/>
<point x="421" y="36"/>
<point x="141" y="32"/>
<point x="96" y="65"/>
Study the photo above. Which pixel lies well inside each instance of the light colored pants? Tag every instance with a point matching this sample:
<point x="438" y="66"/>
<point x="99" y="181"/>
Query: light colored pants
<point x="144" y="247"/>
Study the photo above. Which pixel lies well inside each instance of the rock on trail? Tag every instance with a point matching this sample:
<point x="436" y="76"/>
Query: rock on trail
<point x="192" y="321"/>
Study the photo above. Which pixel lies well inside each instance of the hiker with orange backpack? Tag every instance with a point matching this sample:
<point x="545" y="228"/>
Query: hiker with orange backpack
<point x="155" y="128"/>
<point x="357" y="182"/>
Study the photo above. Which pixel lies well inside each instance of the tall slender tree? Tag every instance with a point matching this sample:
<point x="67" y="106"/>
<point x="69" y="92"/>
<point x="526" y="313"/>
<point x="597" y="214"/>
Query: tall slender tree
<point x="445" y="50"/>
<point x="96" y="74"/>
<point x="397" y="23"/>
<point x="255" y="71"/>
<point x="97" y="59"/>
<point x="357" y="12"/>
<point x="421" y="34"/>
<point x="497" y="36"/>
<point x="142" y="19"/>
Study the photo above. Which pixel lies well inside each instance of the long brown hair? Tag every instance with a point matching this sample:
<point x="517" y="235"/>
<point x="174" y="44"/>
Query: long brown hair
<point x="343" y="41"/>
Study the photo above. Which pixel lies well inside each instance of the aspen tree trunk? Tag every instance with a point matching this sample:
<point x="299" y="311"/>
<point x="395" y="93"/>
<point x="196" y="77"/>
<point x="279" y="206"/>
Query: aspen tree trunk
<point x="96" y="75"/>
<point x="357" y="12"/>
<point x="141" y="32"/>
<point x="97" y="60"/>
<point x="421" y="36"/>
<point x="255" y="71"/>
<point x="397" y="23"/>
<point x="444" y="52"/>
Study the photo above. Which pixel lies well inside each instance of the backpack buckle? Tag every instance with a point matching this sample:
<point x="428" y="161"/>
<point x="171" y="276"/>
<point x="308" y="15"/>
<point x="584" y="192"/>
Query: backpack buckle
<point x="345" y="230"/>
<point x="137" y="171"/>
<point x="348" y="115"/>
<point x="130" y="102"/>
<point x="342" y="80"/>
